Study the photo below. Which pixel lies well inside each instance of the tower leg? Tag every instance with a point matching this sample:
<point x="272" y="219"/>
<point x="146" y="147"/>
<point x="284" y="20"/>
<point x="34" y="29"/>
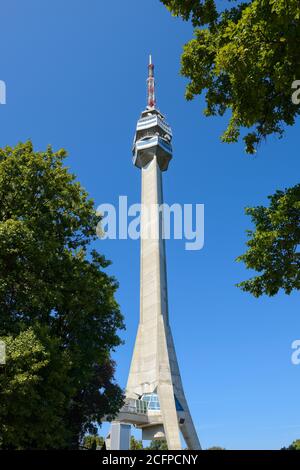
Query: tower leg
<point x="165" y="390"/>
<point x="169" y="415"/>
<point x="189" y="433"/>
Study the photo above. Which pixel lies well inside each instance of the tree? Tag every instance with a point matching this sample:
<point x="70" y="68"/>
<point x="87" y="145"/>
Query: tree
<point x="201" y="12"/>
<point x="135" y="444"/>
<point x="93" y="442"/>
<point x="246" y="60"/>
<point x="53" y="284"/>
<point x="34" y="390"/>
<point x="158" y="444"/>
<point x="215" y="448"/>
<point x="294" y="446"/>
<point x="274" y="245"/>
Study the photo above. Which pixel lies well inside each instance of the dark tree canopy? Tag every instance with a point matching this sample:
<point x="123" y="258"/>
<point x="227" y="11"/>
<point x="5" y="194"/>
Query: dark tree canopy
<point x="245" y="58"/>
<point x="274" y="245"/>
<point x="55" y="288"/>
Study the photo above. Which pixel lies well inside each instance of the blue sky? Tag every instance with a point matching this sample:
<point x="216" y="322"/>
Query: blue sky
<point x="75" y="73"/>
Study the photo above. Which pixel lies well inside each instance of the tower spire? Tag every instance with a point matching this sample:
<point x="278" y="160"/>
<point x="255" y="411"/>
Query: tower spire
<point x="151" y="84"/>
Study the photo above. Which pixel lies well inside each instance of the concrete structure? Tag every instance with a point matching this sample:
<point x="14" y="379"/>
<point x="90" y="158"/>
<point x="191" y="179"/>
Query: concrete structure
<point x="155" y="400"/>
<point x="119" y="436"/>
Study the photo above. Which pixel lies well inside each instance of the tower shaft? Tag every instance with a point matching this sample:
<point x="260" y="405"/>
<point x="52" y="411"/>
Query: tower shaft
<point x="154" y="368"/>
<point x="143" y="376"/>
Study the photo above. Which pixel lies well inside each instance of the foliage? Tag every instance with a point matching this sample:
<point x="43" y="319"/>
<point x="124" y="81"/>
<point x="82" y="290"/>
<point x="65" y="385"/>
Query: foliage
<point x="158" y="444"/>
<point x="34" y="391"/>
<point x="52" y="283"/>
<point x="92" y="442"/>
<point x="135" y="444"/>
<point x="200" y="12"/>
<point x="294" y="446"/>
<point x="273" y="248"/>
<point x="216" y="448"/>
<point x="245" y="60"/>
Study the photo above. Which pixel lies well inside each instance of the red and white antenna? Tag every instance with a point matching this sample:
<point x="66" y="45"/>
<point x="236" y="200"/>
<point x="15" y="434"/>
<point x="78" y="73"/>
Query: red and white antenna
<point x="151" y="84"/>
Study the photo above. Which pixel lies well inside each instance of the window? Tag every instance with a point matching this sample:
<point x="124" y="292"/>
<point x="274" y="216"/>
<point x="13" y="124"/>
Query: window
<point x="152" y="401"/>
<point x="178" y="404"/>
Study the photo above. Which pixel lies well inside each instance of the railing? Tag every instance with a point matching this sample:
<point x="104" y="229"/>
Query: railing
<point x="153" y="120"/>
<point x="143" y="144"/>
<point x="135" y="406"/>
<point x="147" y="118"/>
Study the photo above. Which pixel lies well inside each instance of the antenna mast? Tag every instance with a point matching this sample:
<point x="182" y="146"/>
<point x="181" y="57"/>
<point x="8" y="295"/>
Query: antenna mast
<point x="151" y="84"/>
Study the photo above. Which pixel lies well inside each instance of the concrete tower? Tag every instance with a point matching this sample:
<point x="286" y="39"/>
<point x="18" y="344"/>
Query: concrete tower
<point x="155" y="400"/>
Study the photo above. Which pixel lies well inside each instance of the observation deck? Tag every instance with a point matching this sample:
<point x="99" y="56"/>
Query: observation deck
<point x="152" y="138"/>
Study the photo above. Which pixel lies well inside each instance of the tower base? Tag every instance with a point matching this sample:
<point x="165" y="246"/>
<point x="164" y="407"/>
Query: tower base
<point x="119" y="436"/>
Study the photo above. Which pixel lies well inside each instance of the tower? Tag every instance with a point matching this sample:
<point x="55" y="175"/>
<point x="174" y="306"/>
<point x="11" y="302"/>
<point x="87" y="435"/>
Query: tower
<point x="155" y="400"/>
